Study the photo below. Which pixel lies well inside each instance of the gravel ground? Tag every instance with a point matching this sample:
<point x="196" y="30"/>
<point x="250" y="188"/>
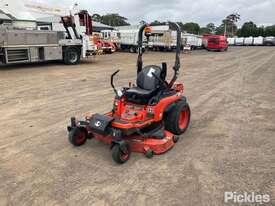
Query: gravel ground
<point x="228" y="147"/>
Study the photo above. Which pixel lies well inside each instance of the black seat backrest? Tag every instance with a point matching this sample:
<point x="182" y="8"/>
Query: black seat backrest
<point x="145" y="79"/>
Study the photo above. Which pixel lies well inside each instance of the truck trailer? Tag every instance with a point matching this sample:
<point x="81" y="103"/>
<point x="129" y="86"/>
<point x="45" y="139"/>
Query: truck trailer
<point x="192" y="40"/>
<point x="162" y="38"/>
<point x="126" y="38"/>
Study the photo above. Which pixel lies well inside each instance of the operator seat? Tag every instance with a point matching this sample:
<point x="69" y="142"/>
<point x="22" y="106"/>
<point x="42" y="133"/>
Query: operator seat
<point x="147" y="85"/>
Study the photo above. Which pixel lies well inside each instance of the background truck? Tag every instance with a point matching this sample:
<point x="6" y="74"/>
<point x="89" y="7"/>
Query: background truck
<point x="215" y="42"/>
<point x="26" y="46"/>
<point x="127" y="37"/>
<point x="162" y="39"/>
<point x="192" y="40"/>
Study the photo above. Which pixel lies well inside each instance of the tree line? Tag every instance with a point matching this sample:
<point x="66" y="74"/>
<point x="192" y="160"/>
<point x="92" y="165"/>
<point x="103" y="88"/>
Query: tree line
<point x="111" y="19"/>
<point x="228" y="25"/>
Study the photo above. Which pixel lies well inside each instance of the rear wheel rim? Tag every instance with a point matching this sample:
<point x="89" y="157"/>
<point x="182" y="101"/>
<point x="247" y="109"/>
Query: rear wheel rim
<point x="124" y="156"/>
<point x="73" y="57"/>
<point x="184" y="118"/>
<point x="80" y="137"/>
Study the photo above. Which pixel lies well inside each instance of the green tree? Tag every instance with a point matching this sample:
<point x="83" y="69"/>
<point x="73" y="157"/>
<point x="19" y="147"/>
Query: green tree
<point x="156" y="22"/>
<point x="211" y="27"/>
<point x="181" y="26"/>
<point x="97" y="18"/>
<point x="231" y="21"/>
<point x="114" y="20"/>
<point x="220" y="29"/>
<point x="205" y="30"/>
<point x="249" y="29"/>
<point x="191" y="27"/>
<point x="142" y="22"/>
<point x="208" y="29"/>
<point x="239" y="32"/>
<point x="270" y="31"/>
<point x="261" y="31"/>
<point x="225" y="26"/>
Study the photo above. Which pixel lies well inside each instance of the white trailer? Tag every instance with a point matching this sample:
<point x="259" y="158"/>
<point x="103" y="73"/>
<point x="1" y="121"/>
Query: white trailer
<point x="192" y="40"/>
<point x="239" y="41"/>
<point x="248" y="41"/>
<point x="162" y="38"/>
<point x="231" y="41"/>
<point x="258" y="41"/>
<point x="127" y="37"/>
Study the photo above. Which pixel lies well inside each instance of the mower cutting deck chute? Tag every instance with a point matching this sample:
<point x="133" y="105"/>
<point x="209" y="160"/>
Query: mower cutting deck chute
<point x="146" y="118"/>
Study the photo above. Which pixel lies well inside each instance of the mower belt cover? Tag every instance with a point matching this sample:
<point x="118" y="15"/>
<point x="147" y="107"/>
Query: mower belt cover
<point x="99" y="123"/>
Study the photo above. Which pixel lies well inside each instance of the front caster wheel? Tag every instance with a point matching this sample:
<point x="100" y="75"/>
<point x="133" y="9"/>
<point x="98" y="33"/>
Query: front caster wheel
<point x="176" y="138"/>
<point x="149" y="153"/>
<point x="121" y="153"/>
<point x="78" y="136"/>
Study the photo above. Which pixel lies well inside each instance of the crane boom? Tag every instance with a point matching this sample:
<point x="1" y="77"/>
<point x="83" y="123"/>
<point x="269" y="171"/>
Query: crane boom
<point x="47" y="10"/>
<point x="17" y="9"/>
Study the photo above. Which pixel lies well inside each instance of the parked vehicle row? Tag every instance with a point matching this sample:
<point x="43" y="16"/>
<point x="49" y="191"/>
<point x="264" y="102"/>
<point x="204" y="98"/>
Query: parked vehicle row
<point x="161" y="39"/>
<point x="252" y="41"/>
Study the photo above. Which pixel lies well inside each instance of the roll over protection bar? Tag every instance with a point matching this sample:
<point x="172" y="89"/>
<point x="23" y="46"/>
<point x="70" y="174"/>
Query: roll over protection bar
<point x="176" y="67"/>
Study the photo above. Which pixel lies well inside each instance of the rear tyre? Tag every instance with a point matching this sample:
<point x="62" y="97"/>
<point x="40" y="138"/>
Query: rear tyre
<point x="121" y="155"/>
<point x="177" y="120"/>
<point x="133" y="49"/>
<point x="71" y="56"/>
<point x="78" y="136"/>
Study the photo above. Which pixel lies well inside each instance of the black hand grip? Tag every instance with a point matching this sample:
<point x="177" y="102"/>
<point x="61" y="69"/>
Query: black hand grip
<point x="115" y="73"/>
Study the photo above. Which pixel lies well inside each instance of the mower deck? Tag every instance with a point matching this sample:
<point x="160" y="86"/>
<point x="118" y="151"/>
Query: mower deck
<point x="143" y="144"/>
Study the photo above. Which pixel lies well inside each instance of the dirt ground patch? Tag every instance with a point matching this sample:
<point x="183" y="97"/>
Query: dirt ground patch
<point x="229" y="146"/>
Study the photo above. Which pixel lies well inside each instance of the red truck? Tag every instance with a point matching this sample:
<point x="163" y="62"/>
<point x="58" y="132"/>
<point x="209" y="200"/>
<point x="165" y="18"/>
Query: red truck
<point x="215" y="42"/>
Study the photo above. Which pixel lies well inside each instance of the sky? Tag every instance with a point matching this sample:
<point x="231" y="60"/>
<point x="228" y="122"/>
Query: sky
<point x="262" y="12"/>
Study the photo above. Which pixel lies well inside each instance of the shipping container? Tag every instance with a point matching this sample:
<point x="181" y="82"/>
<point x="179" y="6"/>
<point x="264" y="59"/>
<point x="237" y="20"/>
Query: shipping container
<point x="248" y="41"/>
<point x="239" y="41"/>
<point x="231" y="41"/>
<point x="258" y="41"/>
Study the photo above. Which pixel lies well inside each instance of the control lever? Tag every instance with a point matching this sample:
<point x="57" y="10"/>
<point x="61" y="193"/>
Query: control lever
<point x="112" y="81"/>
<point x="158" y="78"/>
